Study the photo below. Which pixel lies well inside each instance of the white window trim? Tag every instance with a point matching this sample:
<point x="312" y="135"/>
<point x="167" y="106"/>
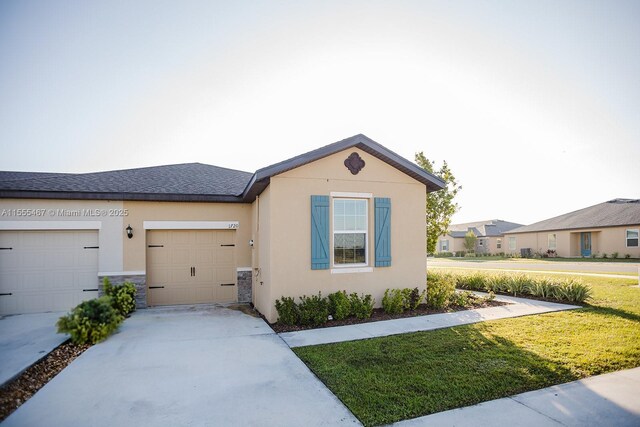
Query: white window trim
<point x="626" y="239"/>
<point x="515" y="243"/>
<point x="442" y="245"/>
<point x="481" y="242"/>
<point x="498" y="243"/>
<point x="343" y="195"/>
<point x="50" y="225"/>
<point x="191" y="225"/>
<point x="366" y="236"/>
<point x="555" y="241"/>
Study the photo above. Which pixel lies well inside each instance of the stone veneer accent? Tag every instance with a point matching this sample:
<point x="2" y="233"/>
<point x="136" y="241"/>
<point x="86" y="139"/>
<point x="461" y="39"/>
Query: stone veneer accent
<point x="140" y="280"/>
<point x="245" y="279"/>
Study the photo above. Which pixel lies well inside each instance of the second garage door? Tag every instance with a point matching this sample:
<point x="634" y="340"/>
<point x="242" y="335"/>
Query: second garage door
<point x="47" y="270"/>
<point x="191" y="266"/>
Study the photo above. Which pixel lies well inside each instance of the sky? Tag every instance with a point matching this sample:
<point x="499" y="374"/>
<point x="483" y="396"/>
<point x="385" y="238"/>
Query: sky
<point x="535" y="105"/>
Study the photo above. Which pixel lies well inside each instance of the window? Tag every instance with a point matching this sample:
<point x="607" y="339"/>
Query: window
<point x="350" y="232"/>
<point x="512" y="243"/>
<point x="551" y="240"/>
<point x="481" y="242"/>
<point x="632" y="238"/>
<point x="499" y="243"/>
<point x="444" y="245"/>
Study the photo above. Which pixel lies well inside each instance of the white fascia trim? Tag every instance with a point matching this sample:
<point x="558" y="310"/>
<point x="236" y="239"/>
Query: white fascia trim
<point x="191" y="225"/>
<point x="352" y="195"/>
<point x="244" y="269"/>
<point x="351" y="270"/>
<point x="122" y="273"/>
<point x="50" y="225"/>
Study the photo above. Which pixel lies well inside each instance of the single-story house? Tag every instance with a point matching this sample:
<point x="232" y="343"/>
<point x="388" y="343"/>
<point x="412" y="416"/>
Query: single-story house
<point x="607" y="228"/>
<point x="490" y="236"/>
<point x="347" y="216"/>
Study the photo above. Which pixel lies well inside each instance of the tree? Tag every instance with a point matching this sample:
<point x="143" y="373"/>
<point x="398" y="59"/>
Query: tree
<point x="470" y="241"/>
<point x="440" y="204"/>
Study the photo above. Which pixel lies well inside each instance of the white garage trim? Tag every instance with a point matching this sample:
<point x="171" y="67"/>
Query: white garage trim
<point x="50" y="225"/>
<point x="191" y="225"/>
<point x="239" y="269"/>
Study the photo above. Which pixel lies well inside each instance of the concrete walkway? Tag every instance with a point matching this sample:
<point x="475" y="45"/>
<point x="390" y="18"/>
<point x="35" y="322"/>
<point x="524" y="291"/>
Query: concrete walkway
<point x="605" y="400"/>
<point x="186" y="366"/>
<point x="25" y="339"/>
<point x="517" y="307"/>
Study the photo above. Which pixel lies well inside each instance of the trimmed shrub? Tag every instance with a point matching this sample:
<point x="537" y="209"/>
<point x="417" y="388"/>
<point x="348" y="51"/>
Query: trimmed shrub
<point x="615" y="255"/>
<point x="440" y="290"/>
<point x="393" y="301"/>
<point x="362" y="306"/>
<point x="413" y="297"/>
<point x="123" y="297"/>
<point x="314" y="310"/>
<point x="91" y="321"/>
<point x="288" y="313"/>
<point x="517" y="285"/>
<point x="339" y="305"/>
<point x="627" y="256"/>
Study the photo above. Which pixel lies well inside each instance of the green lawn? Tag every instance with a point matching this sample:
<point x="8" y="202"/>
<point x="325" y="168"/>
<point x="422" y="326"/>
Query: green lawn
<point x="383" y="380"/>
<point x="504" y="258"/>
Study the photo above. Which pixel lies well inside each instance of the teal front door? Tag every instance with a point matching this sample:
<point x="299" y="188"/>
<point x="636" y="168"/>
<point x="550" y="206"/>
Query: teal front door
<point x="585" y="244"/>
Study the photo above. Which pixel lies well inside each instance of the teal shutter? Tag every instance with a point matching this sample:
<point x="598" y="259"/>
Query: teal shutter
<point x="319" y="232"/>
<point x="382" y="206"/>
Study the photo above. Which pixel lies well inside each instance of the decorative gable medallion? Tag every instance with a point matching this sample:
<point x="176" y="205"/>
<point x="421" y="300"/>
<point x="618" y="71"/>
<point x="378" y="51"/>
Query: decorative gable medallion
<point x="354" y="163"/>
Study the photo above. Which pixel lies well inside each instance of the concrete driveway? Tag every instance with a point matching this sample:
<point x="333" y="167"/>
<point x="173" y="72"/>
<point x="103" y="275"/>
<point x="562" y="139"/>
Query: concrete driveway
<point x="25" y="339"/>
<point x="186" y="366"/>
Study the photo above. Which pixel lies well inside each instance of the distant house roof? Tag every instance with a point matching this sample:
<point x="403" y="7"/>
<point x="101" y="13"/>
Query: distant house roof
<point x="489" y="228"/>
<point x="189" y="181"/>
<point x="616" y="212"/>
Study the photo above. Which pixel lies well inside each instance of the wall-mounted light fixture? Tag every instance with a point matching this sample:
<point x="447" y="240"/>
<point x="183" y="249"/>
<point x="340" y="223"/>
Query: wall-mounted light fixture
<point x="129" y="231"/>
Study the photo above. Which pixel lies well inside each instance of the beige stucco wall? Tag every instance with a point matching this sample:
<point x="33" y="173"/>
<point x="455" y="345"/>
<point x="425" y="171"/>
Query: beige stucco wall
<point x="603" y="240"/>
<point x="134" y="249"/>
<point x="289" y="252"/>
<point x="261" y="234"/>
<point x="50" y="213"/>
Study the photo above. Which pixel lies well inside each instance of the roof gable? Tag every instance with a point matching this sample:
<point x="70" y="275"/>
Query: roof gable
<point x="262" y="176"/>
<point x="489" y="228"/>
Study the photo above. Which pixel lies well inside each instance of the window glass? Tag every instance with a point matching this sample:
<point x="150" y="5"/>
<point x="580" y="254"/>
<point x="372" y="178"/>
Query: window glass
<point x="512" y="243"/>
<point x="349" y="231"/>
<point x="552" y="241"/>
<point x="632" y="238"/>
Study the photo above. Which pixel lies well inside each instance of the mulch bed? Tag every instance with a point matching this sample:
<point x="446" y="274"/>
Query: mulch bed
<point x="16" y="392"/>
<point x="379" y="314"/>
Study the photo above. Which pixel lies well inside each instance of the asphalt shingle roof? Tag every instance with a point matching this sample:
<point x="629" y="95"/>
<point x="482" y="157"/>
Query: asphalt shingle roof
<point x="489" y="228"/>
<point x="616" y="212"/>
<point x="189" y="181"/>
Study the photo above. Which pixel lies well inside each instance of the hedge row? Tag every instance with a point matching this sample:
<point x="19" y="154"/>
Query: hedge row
<point x="562" y="290"/>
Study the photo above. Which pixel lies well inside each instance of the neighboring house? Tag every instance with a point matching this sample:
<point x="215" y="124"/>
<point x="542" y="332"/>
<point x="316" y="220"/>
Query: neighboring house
<point x="490" y="236"/>
<point x="606" y="228"/>
<point x="347" y="216"/>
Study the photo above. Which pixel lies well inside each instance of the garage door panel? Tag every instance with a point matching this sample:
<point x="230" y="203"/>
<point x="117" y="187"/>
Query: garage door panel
<point x="47" y="270"/>
<point x="226" y="293"/>
<point x="214" y="264"/>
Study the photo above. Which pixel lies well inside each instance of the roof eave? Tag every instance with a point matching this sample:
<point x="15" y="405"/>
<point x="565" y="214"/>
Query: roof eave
<point x="147" y="197"/>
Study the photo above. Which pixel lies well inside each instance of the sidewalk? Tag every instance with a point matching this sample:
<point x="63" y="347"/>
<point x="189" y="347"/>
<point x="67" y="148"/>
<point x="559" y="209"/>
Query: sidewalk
<point x="517" y="307"/>
<point x="605" y="400"/>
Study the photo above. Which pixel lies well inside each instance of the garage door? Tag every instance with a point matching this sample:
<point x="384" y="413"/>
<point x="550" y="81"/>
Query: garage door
<point x="47" y="270"/>
<point x="191" y="266"/>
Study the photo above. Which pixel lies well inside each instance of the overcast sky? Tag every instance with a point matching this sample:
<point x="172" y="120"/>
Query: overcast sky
<point x="535" y="105"/>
